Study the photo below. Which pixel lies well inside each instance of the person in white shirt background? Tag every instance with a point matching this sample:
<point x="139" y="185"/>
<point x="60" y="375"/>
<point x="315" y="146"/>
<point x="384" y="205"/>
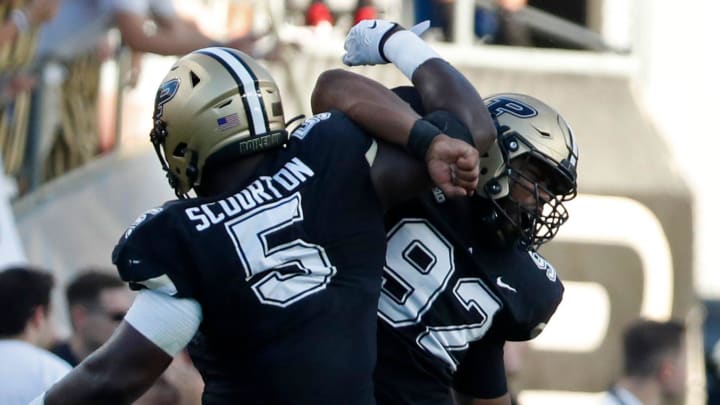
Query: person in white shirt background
<point x="654" y="364"/>
<point x="27" y="368"/>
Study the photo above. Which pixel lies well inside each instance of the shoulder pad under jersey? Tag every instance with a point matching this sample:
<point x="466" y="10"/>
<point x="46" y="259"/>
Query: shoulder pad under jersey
<point x="151" y="253"/>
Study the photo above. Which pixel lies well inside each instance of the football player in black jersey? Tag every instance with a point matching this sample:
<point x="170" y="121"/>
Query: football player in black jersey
<point x="274" y="269"/>
<point x="463" y="276"/>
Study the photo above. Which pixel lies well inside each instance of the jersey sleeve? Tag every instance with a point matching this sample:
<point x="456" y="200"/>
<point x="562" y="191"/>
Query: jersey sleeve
<point x="529" y="313"/>
<point x="332" y="134"/>
<point x="151" y="255"/>
<point x="410" y="95"/>
<point x="481" y="374"/>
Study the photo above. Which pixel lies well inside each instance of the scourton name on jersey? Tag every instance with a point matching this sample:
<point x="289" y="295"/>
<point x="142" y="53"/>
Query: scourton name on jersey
<point x="449" y="301"/>
<point x="280" y="264"/>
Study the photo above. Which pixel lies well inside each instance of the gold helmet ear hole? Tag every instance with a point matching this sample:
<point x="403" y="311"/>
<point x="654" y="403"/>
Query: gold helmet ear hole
<point x="483" y="171"/>
<point x="546" y="134"/>
<point x="194" y="79"/>
<point x="180" y="150"/>
<point x="225" y="104"/>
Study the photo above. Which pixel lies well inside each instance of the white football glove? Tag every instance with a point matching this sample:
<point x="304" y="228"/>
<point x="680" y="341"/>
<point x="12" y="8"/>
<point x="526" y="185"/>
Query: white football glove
<point x="365" y="38"/>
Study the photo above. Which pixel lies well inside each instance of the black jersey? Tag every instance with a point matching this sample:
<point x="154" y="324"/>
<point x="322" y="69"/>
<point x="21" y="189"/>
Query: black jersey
<point x="286" y="268"/>
<point x="449" y="301"/>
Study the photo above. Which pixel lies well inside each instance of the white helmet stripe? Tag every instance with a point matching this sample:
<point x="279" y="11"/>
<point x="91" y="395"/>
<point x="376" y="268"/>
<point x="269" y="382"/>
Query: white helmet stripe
<point x="246" y="86"/>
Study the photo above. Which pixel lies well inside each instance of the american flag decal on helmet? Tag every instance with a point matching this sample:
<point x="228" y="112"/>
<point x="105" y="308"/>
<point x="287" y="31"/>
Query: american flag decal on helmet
<point x="228" y="121"/>
<point x="248" y="88"/>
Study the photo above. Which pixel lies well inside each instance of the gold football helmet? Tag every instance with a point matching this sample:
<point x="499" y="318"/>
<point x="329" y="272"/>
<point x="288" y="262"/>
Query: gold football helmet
<point x="214" y="105"/>
<point x="536" y="154"/>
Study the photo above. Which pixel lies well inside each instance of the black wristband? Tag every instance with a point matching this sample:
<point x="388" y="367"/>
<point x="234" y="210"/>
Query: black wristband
<point x="421" y="136"/>
<point x="451" y="126"/>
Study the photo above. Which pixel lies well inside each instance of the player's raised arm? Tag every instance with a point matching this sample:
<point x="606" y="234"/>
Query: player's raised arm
<point x="452" y="164"/>
<point x="441" y="86"/>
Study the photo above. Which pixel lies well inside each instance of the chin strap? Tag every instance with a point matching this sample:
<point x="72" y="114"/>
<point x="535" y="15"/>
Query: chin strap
<point x="158" y="134"/>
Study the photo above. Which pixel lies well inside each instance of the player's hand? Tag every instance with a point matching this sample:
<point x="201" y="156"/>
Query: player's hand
<point x="364" y="39"/>
<point x="453" y="166"/>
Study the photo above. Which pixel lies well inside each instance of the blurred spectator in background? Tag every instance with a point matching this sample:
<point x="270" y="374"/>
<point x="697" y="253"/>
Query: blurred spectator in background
<point x="26" y="369"/>
<point x="439" y="12"/>
<point x="145" y="25"/>
<point x="97" y="303"/>
<point x="514" y="359"/>
<point x="319" y="13"/>
<point x="19" y="21"/>
<point x="15" y="84"/>
<point x="654" y="360"/>
<point x="17" y="35"/>
<point x="77" y="41"/>
<point x="23" y="19"/>
<point x="499" y="25"/>
<point x="495" y="25"/>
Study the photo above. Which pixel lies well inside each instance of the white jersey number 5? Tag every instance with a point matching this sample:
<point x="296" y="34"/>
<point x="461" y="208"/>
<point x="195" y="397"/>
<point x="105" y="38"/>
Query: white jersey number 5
<point x="295" y="269"/>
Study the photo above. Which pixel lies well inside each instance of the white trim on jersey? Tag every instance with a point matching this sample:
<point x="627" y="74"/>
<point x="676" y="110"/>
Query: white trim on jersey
<point x="161" y="283"/>
<point x="371" y="153"/>
<point x="248" y="83"/>
<point x="168" y="322"/>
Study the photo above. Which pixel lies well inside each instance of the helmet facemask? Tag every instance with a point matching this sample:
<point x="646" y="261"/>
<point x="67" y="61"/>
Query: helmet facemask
<point x="533" y="209"/>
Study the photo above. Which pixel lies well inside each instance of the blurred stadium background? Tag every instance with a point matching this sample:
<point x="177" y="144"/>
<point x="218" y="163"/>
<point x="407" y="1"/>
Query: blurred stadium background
<point x="637" y="80"/>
